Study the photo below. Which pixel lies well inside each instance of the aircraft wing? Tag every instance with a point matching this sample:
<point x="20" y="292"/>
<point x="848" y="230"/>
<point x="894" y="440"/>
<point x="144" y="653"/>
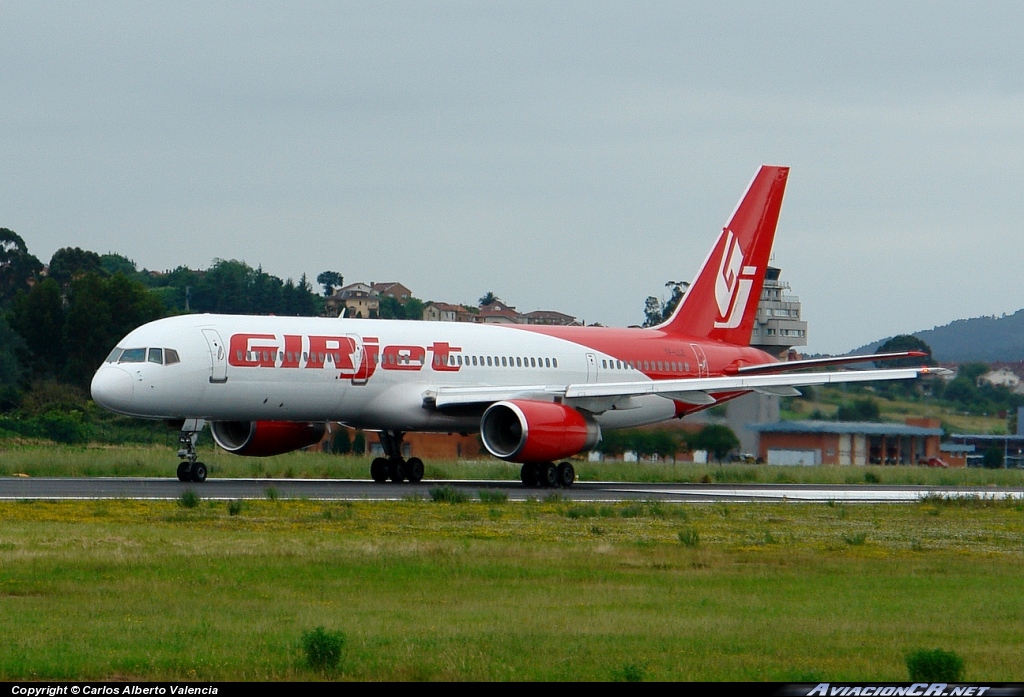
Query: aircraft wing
<point x="599" y="397"/>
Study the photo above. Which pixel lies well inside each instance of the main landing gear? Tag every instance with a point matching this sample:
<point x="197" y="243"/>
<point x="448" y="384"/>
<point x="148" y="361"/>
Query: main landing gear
<point x="396" y="468"/>
<point x="547" y="474"/>
<point x="190" y="470"/>
<point x="393" y="466"/>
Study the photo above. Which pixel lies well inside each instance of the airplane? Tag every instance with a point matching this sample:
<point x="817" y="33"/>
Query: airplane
<point x="537" y="394"/>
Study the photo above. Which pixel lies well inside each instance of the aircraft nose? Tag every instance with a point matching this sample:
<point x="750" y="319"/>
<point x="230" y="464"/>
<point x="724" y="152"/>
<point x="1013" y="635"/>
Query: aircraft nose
<point x="112" y="388"/>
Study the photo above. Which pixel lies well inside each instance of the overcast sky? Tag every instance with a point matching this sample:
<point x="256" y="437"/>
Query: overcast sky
<point x="567" y="156"/>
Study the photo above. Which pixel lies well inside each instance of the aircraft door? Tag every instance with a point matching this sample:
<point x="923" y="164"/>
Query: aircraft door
<point x="218" y="356"/>
<point x="591" y="367"/>
<point x="702" y="360"/>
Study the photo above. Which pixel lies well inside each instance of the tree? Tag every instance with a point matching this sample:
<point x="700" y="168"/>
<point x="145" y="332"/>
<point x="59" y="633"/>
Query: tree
<point x="678" y="291"/>
<point x="118" y="263"/>
<point x="265" y="295"/>
<point x="390" y="308"/>
<point x="11" y="370"/>
<point x="224" y="289"/>
<point x="341" y="444"/>
<point x="993" y="457"/>
<point x="715" y="439"/>
<point x="38" y="316"/>
<point x="656" y="311"/>
<point x="69" y="262"/>
<point x="101" y="311"/>
<point x="652" y="311"/>
<point x="299" y="300"/>
<point x="963" y="390"/>
<point x="330" y="280"/>
<point x="488" y="298"/>
<point x="907" y="342"/>
<point x="414" y="308"/>
<point x="860" y="410"/>
<point x="972" y="371"/>
<point x="18" y="268"/>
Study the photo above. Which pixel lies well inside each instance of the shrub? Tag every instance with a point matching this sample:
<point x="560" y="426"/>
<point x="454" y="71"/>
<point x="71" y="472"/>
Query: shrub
<point x="856" y="538"/>
<point x="189" y="499"/>
<point x="68" y="429"/>
<point x="583" y="510"/>
<point x="234" y="507"/>
<point x="631" y="672"/>
<point x="448" y="494"/>
<point x="689" y="537"/>
<point x="631" y="510"/>
<point x="872" y="478"/>
<point x="492" y="496"/>
<point x="271" y="493"/>
<point x="323" y="648"/>
<point x="935" y="665"/>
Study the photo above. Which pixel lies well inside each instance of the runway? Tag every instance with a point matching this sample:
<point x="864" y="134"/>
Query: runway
<point x="21" y="488"/>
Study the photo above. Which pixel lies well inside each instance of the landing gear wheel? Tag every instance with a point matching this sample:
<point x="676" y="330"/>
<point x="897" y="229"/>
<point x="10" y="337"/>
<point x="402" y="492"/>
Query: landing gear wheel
<point x="396" y="469"/>
<point x="566" y="475"/>
<point x="548" y="474"/>
<point x="530" y="474"/>
<point x="184" y="471"/>
<point x="414" y="469"/>
<point x="379" y="470"/>
<point x="198" y="472"/>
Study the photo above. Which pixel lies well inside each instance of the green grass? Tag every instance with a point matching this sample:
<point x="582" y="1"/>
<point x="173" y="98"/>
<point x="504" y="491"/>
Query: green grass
<point x="151" y="590"/>
<point x="828" y="399"/>
<point x="144" y="461"/>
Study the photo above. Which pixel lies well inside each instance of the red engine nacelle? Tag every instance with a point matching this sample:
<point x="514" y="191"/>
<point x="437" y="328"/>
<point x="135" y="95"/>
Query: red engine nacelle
<point x="265" y="438"/>
<point x="521" y="430"/>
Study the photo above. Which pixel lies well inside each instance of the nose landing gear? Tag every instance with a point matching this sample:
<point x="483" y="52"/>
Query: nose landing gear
<point x="190" y="470"/>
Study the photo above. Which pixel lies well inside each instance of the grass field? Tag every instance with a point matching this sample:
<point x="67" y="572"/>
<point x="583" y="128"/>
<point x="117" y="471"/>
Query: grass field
<point x="543" y="590"/>
<point x="145" y="461"/>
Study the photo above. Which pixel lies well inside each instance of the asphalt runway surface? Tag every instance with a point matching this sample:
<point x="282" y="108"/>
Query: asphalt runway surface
<point x="15" y="488"/>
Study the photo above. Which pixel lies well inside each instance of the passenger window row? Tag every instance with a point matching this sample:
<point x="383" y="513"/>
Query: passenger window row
<point x="660" y="366"/>
<point x="503" y="361"/>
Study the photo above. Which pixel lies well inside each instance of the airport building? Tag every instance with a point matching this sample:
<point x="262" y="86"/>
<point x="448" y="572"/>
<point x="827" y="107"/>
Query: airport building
<point x="778" y="329"/>
<point x="974" y="445"/>
<point x="848" y="442"/>
<point x="778" y="326"/>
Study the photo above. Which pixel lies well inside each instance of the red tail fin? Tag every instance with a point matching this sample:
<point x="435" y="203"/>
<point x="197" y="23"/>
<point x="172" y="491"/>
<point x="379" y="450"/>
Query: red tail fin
<point x="721" y="302"/>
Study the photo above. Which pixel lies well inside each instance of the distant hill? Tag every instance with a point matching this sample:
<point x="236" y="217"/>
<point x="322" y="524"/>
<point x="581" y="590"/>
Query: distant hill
<point x="987" y="339"/>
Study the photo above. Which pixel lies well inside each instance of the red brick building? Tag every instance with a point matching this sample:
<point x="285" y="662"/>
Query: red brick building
<point x="848" y="442"/>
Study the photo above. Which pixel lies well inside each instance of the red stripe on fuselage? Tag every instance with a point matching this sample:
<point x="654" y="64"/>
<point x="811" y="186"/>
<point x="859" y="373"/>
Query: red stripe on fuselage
<point x="652" y="346"/>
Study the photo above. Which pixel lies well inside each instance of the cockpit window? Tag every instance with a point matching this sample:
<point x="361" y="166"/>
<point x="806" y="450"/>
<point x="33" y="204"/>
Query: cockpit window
<point x="156" y="356"/>
<point x="133" y="355"/>
<point x="171" y="356"/>
<point x="114" y="355"/>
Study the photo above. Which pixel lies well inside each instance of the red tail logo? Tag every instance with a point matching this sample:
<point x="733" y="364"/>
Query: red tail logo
<point x="732" y="288"/>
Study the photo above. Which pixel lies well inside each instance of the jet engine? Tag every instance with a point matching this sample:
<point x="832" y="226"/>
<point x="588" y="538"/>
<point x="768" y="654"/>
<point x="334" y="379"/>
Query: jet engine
<point x="265" y="438"/>
<point x="522" y="430"/>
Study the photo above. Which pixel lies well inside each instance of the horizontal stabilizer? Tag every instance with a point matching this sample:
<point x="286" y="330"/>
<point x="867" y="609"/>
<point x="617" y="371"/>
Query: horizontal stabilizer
<point x="787" y="366"/>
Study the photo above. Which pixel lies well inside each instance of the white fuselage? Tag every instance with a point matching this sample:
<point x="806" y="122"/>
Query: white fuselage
<point x="372" y="374"/>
